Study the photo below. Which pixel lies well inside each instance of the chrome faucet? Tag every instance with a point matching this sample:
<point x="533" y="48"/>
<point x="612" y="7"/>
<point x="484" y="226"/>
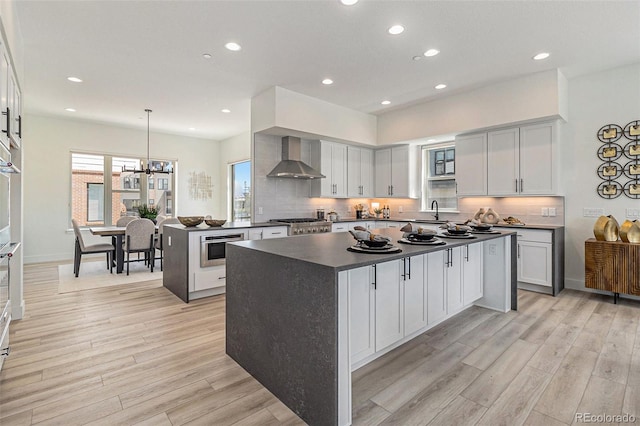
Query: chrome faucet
<point x="437" y="216"/>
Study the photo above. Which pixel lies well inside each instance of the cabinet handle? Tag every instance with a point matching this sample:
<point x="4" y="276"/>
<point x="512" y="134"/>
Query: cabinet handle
<point x="404" y="269"/>
<point x="276" y="233"/>
<point x="467" y="256"/>
<point x="388" y="189"/>
<point x="391" y="189"/>
<point x="221" y="278"/>
<point x="518" y="251"/>
<point x="521" y="185"/>
<point x="375" y="279"/>
<point x="409" y="268"/>
<point x="20" y="126"/>
<point x="516" y="185"/>
<point x="8" y="114"/>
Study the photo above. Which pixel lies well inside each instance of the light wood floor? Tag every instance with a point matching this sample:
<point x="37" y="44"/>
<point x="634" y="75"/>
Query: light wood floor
<point x="135" y="354"/>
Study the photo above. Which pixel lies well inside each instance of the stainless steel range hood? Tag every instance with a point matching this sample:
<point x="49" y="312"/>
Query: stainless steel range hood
<point x="291" y="166"/>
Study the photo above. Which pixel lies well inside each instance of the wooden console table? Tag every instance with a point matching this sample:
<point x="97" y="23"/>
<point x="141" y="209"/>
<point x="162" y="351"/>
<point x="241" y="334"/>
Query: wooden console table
<point x="612" y="266"/>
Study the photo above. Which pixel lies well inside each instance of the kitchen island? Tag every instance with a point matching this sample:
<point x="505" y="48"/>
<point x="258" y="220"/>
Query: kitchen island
<point x="303" y="313"/>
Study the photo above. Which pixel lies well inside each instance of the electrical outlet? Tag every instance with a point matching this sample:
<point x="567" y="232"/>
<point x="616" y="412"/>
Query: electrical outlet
<point x="492" y="249"/>
<point x="400" y="209"/>
<point x="545" y="212"/>
<point x="592" y="212"/>
<point x="632" y="213"/>
<point x="259" y="210"/>
<point x="552" y="211"/>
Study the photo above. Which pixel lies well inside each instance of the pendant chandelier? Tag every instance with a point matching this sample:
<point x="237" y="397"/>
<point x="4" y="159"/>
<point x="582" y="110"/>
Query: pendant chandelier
<point x="150" y="169"/>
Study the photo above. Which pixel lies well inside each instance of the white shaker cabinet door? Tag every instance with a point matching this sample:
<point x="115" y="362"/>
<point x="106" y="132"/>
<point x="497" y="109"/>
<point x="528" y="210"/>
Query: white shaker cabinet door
<point x="366" y="172"/>
<point x="415" y="297"/>
<point x="436" y="294"/>
<point x="503" y="168"/>
<point x="473" y="284"/>
<point x="453" y="274"/>
<point x="339" y="169"/>
<point x="400" y="171"/>
<point x="361" y="313"/>
<point x="389" y="304"/>
<point x="537" y="160"/>
<point x="471" y="165"/>
<point x="535" y="263"/>
<point x="383" y="172"/>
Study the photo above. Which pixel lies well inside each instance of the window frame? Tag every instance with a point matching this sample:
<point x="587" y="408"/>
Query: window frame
<point x="425" y="149"/>
<point x="231" y="191"/>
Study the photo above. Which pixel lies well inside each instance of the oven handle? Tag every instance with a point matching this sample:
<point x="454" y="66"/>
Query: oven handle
<point x="230" y="237"/>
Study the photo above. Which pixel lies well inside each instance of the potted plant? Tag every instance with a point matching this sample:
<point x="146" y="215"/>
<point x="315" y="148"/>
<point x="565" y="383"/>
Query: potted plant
<point x="377" y="211"/>
<point x="148" y="212"/>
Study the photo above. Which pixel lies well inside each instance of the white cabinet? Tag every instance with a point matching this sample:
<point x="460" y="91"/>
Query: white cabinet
<point x="471" y="165"/>
<point x="503" y="163"/>
<point x="331" y="159"/>
<point x="472" y="282"/>
<point x="15" y="111"/>
<point x="366" y="224"/>
<point x="359" y="172"/>
<point x="211" y="277"/>
<point x="389" y="304"/>
<point x="381" y="224"/>
<point x="453" y="278"/>
<point x="4" y="97"/>
<point x="268" y="232"/>
<point x="397" y="172"/>
<point x="415" y="294"/>
<point x="436" y="286"/>
<point x="522" y="161"/>
<point x="535" y="254"/>
<point x="340" y="227"/>
<point x="361" y="313"/>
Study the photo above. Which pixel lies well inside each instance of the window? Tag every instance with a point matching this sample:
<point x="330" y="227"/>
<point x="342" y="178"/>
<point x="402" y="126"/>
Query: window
<point x="96" y="200"/>
<point x="439" y="180"/>
<point x="241" y="191"/>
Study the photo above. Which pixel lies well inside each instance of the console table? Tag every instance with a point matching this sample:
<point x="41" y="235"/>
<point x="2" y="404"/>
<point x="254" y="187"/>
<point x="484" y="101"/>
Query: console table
<point x="612" y="266"/>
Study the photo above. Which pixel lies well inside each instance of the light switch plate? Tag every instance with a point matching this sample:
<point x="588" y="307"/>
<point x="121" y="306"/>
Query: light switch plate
<point x="545" y="212"/>
<point x="400" y="209"/>
<point x="592" y="212"/>
<point x="259" y="210"/>
<point x="552" y="211"/>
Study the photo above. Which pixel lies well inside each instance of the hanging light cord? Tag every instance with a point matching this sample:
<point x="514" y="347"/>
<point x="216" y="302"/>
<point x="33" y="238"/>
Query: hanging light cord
<point x="148" y="154"/>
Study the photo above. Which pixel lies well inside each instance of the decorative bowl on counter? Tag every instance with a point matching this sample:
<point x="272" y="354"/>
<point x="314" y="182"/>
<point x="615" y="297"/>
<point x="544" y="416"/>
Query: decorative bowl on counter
<point x="375" y="243"/>
<point x="421" y="236"/>
<point x="190" y="220"/>
<point x="457" y="230"/>
<point x="482" y="227"/>
<point x="215" y="222"/>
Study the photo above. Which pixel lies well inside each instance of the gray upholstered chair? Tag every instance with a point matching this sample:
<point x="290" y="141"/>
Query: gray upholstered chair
<point x="160" y="218"/>
<point x="158" y="244"/>
<point x="138" y="238"/>
<point x="124" y="220"/>
<point x="81" y="248"/>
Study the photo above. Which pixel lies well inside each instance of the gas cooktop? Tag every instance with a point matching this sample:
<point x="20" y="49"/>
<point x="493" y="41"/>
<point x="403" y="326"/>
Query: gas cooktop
<point x="304" y="225"/>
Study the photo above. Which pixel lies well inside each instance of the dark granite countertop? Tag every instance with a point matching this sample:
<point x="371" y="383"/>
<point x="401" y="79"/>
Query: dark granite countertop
<point x="229" y="225"/>
<point x="330" y="249"/>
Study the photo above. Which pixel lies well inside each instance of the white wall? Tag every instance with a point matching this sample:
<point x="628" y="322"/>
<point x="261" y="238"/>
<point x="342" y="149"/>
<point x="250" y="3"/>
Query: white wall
<point x="532" y="97"/>
<point x="48" y="142"/>
<point x="609" y="97"/>
<point x="232" y="150"/>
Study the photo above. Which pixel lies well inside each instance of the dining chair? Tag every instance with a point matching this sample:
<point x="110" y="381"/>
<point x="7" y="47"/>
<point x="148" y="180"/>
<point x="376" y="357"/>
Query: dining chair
<point x="158" y="243"/>
<point x="160" y="218"/>
<point x="124" y="220"/>
<point x="138" y="238"/>
<point x="81" y="248"/>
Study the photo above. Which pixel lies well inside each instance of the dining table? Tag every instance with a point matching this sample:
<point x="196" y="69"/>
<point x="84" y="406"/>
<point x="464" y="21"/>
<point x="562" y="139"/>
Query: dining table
<point x="117" y="232"/>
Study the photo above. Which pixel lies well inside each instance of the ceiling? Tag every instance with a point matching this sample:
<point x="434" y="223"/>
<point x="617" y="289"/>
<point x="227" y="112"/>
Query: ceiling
<point x="134" y="55"/>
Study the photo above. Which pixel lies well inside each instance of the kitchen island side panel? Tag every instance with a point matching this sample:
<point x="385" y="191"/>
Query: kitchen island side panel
<point x="175" y="275"/>
<point x="284" y="332"/>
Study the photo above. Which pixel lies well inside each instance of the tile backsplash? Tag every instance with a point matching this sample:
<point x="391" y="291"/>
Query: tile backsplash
<point x="281" y="198"/>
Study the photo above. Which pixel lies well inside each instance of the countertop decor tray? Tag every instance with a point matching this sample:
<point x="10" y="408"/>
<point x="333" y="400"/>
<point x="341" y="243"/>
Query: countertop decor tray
<point x="459" y="237"/>
<point x="382" y="250"/>
<point x="433" y="242"/>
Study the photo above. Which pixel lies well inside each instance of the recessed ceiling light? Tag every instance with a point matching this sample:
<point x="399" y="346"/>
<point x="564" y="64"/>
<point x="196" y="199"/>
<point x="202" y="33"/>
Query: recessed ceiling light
<point x="192" y="128"/>
<point x="441" y="86"/>
<point x="70" y="109"/>
<point x="396" y="29"/>
<point x="226" y="110"/>
<point x="234" y="47"/>
<point x="431" y="52"/>
<point x="327" y="81"/>
<point x="385" y="102"/>
<point x="348" y="2"/>
<point x="431" y="140"/>
<point x="540" y="56"/>
<point x="74" y="79"/>
<point x="417" y="58"/>
<point x="207" y="55"/>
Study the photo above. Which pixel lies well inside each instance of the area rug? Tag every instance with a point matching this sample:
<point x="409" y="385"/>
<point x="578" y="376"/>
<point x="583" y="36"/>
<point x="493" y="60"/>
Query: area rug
<point x="96" y="275"/>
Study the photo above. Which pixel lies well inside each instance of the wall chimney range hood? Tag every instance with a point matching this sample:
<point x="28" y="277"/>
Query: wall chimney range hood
<point x="291" y="166"/>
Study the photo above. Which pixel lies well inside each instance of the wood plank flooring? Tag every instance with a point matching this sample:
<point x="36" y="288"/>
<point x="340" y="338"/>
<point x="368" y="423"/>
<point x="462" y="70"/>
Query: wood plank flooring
<point x="137" y="355"/>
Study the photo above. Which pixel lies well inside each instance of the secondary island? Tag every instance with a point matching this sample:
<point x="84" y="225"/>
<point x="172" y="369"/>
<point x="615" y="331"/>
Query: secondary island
<point x="302" y="313"/>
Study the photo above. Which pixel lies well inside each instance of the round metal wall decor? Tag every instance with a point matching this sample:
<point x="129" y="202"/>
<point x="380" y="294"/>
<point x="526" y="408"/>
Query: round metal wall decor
<point x="609" y="133"/>
<point x="632" y="131"/>
<point x="610" y="170"/>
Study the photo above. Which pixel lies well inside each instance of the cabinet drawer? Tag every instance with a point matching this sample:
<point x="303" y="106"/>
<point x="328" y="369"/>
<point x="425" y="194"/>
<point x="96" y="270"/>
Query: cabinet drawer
<point x="340" y="227"/>
<point x="539" y="236"/>
<point x="213" y="278"/>
<point x="278" y="232"/>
